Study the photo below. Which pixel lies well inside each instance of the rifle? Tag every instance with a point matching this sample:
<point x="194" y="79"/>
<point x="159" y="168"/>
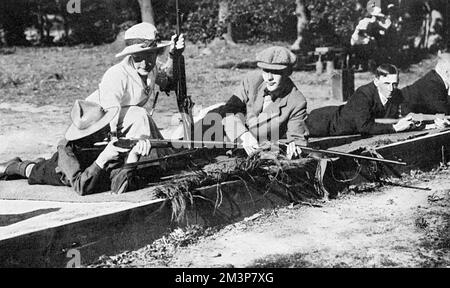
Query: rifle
<point x="169" y="143"/>
<point x="184" y="101"/>
<point x="161" y="143"/>
<point x="416" y="118"/>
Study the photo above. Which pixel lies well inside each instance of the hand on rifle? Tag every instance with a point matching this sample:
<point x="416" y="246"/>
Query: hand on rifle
<point x="249" y="143"/>
<point x="179" y="46"/>
<point x="441" y="123"/>
<point x="110" y="153"/>
<point x="293" y="151"/>
<point x="404" y="124"/>
<point x="142" y="148"/>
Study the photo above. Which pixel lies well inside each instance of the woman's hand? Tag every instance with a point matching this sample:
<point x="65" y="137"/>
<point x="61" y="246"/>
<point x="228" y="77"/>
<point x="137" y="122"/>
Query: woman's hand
<point x="110" y="153"/>
<point x="142" y="148"/>
<point x="177" y="46"/>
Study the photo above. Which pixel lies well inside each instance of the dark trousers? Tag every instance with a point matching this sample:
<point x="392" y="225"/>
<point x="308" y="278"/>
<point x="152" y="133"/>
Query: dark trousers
<point x="318" y="121"/>
<point x="45" y="173"/>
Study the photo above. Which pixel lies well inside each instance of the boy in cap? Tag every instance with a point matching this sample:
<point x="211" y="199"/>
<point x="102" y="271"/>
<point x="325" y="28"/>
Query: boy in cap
<point x="377" y="99"/>
<point x="266" y="106"/>
<point x="131" y="83"/>
<point x="86" y="170"/>
<point x="431" y="93"/>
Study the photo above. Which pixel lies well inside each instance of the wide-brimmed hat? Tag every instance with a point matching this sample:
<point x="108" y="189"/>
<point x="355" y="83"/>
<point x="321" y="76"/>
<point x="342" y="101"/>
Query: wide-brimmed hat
<point x="275" y="58"/>
<point x="370" y="5"/>
<point x="376" y="11"/>
<point x="87" y="118"/>
<point x="142" y="37"/>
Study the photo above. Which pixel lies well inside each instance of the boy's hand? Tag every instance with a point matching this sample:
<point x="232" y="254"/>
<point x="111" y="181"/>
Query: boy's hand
<point x="441" y="123"/>
<point x="249" y="143"/>
<point x="293" y="151"/>
<point x="404" y="124"/>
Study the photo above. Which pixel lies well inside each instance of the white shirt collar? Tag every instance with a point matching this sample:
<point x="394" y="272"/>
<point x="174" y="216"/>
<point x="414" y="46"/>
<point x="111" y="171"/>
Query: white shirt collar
<point x="446" y="81"/>
<point x="383" y="98"/>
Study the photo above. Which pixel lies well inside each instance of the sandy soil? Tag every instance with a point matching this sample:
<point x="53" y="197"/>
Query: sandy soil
<point x="392" y="227"/>
<point x="368" y="227"/>
<point x="389" y="227"/>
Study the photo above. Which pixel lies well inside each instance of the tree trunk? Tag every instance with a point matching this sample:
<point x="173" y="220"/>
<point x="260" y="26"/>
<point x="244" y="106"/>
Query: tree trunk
<point x="302" y="22"/>
<point x="63" y="13"/>
<point x="147" y="14"/>
<point x="13" y="22"/>
<point x="40" y="23"/>
<point x="447" y="15"/>
<point x="224" y="12"/>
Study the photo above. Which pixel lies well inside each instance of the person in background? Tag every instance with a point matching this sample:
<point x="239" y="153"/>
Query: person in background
<point x="368" y="34"/>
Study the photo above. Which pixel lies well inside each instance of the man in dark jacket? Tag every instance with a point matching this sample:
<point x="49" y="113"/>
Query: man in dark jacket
<point x="378" y="99"/>
<point x="77" y="164"/>
<point x="430" y="94"/>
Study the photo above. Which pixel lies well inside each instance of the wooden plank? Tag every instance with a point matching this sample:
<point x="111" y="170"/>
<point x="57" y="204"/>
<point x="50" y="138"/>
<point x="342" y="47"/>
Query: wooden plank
<point x="421" y="153"/>
<point x="131" y="228"/>
<point x="102" y="234"/>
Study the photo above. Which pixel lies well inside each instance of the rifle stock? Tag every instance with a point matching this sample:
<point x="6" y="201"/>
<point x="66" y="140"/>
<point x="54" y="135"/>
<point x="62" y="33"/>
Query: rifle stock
<point x="386" y="121"/>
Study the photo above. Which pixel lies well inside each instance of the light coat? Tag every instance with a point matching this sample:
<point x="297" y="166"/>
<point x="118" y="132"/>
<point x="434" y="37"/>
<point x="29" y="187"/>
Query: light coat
<point x="121" y="85"/>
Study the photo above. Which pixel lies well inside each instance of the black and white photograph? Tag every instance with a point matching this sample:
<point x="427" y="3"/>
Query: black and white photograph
<point x="224" y="134"/>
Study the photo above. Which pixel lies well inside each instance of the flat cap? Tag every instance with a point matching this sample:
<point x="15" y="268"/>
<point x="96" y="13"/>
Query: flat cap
<point x="276" y="58"/>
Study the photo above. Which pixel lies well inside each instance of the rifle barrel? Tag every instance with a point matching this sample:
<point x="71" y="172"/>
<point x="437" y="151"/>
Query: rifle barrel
<point x="178" y="17"/>
<point x="332" y="152"/>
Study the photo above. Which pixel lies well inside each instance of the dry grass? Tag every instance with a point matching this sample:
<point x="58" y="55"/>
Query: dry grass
<point x="59" y="75"/>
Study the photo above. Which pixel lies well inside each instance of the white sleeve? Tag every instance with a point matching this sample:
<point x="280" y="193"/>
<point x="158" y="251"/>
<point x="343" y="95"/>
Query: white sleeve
<point x="111" y="92"/>
<point x="111" y="89"/>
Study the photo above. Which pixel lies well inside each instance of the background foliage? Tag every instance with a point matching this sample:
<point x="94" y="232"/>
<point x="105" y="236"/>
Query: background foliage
<point x="331" y="21"/>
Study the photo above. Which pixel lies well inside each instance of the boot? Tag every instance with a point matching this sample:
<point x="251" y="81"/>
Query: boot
<point x="4" y="166"/>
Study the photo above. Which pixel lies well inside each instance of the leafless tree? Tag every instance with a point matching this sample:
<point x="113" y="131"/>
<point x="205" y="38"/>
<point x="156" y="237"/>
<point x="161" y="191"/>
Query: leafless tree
<point x="224" y="12"/>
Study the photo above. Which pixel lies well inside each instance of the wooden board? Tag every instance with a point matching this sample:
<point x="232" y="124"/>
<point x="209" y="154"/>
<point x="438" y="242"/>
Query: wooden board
<point x="420" y="153"/>
<point x="131" y="228"/>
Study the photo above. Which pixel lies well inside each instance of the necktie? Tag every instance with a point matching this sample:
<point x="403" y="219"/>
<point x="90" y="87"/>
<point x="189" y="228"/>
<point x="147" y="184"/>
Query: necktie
<point x="267" y="99"/>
